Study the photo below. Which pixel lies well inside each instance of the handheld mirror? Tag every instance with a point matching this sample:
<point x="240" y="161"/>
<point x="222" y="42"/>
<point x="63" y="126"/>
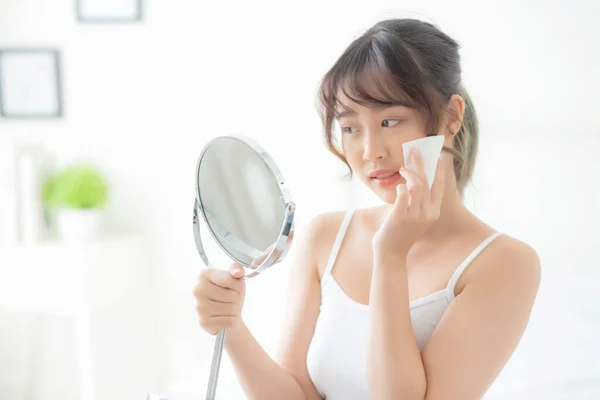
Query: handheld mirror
<point x="242" y="199"/>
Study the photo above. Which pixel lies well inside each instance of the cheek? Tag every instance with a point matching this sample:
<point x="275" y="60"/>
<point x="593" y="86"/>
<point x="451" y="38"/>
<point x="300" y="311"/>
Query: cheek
<point x="350" y="147"/>
<point x="408" y="135"/>
<point x="354" y="159"/>
<point x="395" y="145"/>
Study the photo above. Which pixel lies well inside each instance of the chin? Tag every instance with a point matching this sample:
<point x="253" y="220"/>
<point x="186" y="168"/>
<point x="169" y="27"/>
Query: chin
<point x="387" y="195"/>
<point x="388" y="198"/>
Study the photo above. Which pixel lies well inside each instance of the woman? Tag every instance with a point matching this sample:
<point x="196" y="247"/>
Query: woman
<point x="415" y="299"/>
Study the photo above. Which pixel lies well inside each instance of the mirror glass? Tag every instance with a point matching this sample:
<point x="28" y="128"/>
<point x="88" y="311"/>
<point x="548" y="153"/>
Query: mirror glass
<point x="241" y="200"/>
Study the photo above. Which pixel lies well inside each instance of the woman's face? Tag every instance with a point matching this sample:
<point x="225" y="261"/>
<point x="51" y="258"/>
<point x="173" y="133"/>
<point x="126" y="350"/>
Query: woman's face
<point x="372" y="139"/>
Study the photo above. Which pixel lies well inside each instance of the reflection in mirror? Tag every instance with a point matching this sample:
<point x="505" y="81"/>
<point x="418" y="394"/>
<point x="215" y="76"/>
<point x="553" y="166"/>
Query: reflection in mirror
<point x="241" y="199"/>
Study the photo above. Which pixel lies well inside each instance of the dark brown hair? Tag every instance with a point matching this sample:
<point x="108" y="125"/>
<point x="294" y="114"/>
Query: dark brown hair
<point x="403" y="62"/>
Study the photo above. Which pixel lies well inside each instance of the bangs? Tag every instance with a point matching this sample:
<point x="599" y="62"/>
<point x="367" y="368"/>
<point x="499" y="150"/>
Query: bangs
<point x="366" y="78"/>
<point x="371" y="86"/>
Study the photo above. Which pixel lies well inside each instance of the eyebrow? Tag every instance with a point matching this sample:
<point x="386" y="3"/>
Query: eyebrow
<point x="348" y="111"/>
<point x="345" y="113"/>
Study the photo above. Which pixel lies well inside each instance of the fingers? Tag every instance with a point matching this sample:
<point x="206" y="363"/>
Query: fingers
<point x="415" y="189"/>
<point x="223" y="279"/>
<point x="429" y="202"/>
<point x="210" y="309"/>
<point x="220" y="298"/>
<point x="236" y="270"/>
<point x="210" y="291"/>
<point x="402" y="198"/>
<point x="417" y="161"/>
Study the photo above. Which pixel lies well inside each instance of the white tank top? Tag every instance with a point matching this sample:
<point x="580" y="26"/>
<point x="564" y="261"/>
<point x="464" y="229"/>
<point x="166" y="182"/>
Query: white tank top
<point x="337" y="354"/>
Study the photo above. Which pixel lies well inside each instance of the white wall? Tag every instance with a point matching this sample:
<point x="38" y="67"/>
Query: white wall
<point x="145" y="98"/>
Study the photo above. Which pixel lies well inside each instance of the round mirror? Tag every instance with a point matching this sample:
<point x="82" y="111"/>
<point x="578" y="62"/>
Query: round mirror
<point x="241" y="196"/>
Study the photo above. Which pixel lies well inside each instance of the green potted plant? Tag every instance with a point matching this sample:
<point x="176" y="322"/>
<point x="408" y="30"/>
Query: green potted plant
<point x="75" y="197"/>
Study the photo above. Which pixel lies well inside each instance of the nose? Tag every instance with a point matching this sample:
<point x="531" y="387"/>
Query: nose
<point x="374" y="147"/>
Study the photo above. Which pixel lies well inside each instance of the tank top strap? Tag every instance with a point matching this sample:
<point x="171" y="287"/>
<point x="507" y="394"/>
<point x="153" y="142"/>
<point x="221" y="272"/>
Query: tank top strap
<point x="336" y="246"/>
<point x="467" y="261"/>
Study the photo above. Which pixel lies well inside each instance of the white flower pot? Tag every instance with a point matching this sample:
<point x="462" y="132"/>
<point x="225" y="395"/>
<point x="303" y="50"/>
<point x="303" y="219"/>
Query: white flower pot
<point x="76" y="225"/>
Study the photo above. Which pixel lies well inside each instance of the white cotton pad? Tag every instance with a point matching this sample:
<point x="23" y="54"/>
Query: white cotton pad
<point x="431" y="147"/>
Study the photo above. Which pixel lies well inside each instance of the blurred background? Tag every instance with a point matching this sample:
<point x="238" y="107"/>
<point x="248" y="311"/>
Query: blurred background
<point x="106" y="105"/>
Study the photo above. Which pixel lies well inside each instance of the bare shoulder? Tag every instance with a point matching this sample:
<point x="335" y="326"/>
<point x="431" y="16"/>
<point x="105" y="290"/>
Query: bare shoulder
<point x="518" y="259"/>
<point x="319" y="235"/>
<point x="509" y="263"/>
<point x="326" y="222"/>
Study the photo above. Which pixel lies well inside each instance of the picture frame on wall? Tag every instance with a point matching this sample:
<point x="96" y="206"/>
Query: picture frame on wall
<point x="109" y="11"/>
<point x="30" y="83"/>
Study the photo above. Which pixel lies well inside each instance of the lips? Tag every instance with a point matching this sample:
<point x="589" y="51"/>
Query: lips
<point x="383" y="176"/>
<point x="382" y="173"/>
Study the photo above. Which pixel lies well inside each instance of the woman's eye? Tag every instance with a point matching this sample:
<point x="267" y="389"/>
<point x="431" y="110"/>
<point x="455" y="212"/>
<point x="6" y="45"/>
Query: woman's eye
<point x="389" y="122"/>
<point x="348" y="129"/>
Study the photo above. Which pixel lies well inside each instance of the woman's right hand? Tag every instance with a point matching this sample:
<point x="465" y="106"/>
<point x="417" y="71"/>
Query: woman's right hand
<point x="220" y="297"/>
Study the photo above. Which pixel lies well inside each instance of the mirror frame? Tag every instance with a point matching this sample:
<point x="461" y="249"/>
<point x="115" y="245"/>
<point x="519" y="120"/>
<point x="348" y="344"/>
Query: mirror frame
<point x="284" y="242"/>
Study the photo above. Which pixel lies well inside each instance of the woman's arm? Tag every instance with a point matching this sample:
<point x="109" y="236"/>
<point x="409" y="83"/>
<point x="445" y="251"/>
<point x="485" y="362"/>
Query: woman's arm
<point x="260" y="376"/>
<point x="483" y="325"/>
<point x="472" y="342"/>
<point x="394" y="366"/>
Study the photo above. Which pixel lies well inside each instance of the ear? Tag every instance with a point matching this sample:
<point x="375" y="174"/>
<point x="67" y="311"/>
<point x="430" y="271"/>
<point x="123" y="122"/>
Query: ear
<point x="455" y="113"/>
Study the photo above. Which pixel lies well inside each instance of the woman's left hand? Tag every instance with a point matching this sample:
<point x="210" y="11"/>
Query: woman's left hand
<point x="416" y="208"/>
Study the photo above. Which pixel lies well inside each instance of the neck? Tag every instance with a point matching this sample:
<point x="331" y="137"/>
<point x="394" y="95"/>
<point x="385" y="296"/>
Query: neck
<point x="452" y="211"/>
